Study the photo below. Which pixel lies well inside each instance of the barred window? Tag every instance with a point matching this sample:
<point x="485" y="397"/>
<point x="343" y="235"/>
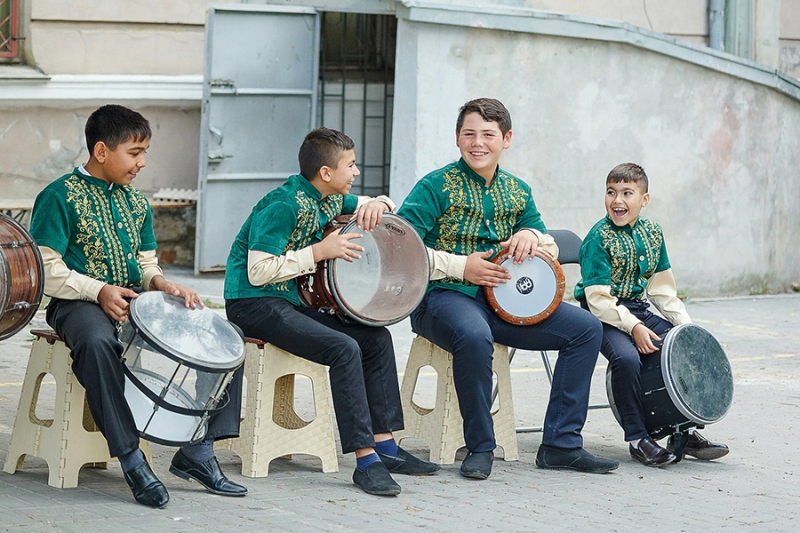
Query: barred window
<point x="9" y="28"/>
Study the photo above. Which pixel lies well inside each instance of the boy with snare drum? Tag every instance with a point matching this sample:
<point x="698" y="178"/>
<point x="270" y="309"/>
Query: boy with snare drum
<point x="95" y="235"/>
<point x="466" y="213"/>
<point x="623" y="264"/>
<point x="281" y="240"/>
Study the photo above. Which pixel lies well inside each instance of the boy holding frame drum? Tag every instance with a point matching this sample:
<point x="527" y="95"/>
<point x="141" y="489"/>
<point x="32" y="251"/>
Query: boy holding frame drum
<point x="281" y="240"/>
<point x="466" y="213"/>
<point x="95" y="234"/>
<point x="623" y="261"/>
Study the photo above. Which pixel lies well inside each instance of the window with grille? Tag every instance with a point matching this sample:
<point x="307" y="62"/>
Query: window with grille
<point x="9" y="25"/>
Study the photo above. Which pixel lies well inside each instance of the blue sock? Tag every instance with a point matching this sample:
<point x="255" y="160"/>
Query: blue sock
<point x="363" y="462"/>
<point x="131" y="460"/>
<point x="200" y="452"/>
<point x="387" y="447"/>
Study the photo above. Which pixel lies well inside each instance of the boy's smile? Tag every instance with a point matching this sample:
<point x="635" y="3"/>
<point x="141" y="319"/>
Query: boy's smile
<point x="624" y="201"/>
<point x="481" y="143"/>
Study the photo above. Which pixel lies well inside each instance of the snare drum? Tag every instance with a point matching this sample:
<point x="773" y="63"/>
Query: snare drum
<point x="534" y="291"/>
<point x="687" y="383"/>
<point x="177" y="362"/>
<point x="381" y="288"/>
<point x="21" y="277"/>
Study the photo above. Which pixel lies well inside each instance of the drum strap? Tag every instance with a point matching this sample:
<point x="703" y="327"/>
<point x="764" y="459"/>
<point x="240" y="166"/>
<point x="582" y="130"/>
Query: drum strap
<point x="158" y="400"/>
<point x="680" y="439"/>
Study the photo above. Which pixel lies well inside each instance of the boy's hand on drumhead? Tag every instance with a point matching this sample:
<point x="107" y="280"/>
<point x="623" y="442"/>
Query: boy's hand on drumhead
<point x="523" y="244"/>
<point x="112" y="300"/>
<point x="337" y="245"/>
<point x="191" y="297"/>
<point x="368" y="216"/>
<point x="481" y="271"/>
<point x="643" y="338"/>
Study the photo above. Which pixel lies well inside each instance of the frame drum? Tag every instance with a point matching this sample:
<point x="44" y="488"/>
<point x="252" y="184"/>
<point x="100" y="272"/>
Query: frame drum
<point x="177" y="362"/>
<point x="381" y="288"/>
<point x="21" y="277"/>
<point x="687" y="383"/>
<point x="532" y="294"/>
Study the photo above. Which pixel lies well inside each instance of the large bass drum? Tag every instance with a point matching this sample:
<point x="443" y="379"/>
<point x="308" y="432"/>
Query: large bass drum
<point x="688" y="383"/>
<point x="21" y="277"/>
<point x="381" y="288"/>
<point x="178" y="362"/>
<point x="534" y="291"/>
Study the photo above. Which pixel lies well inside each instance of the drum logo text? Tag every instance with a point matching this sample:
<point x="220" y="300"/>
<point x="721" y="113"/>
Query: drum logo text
<point x="524" y="285"/>
<point x="395" y="229"/>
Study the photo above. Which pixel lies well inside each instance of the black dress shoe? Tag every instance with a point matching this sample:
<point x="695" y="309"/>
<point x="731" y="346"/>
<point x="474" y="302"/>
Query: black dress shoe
<point x="408" y="464"/>
<point x="650" y="454"/>
<point x="477" y="465"/>
<point x="146" y="487"/>
<point x="556" y="458"/>
<point x="376" y="479"/>
<point x="700" y="447"/>
<point x="208" y="474"/>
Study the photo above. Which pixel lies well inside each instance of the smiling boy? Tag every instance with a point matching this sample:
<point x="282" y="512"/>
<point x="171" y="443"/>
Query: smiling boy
<point x="283" y="239"/>
<point x="95" y="234"/>
<point x="466" y="213"/>
<point x="623" y="264"/>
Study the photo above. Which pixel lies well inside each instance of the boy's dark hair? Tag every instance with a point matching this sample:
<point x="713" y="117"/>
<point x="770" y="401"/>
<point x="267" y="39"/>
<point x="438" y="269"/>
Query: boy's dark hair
<point x="628" y="173"/>
<point x="114" y="124"/>
<point x="489" y="109"/>
<point x="322" y="147"/>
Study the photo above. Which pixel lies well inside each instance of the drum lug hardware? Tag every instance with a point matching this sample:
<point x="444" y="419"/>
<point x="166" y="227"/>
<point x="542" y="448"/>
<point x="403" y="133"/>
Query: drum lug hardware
<point x="20" y="305"/>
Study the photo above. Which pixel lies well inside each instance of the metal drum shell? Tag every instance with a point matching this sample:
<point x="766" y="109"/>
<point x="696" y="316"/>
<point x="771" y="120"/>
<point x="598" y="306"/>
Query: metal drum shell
<point x="21" y="277"/>
<point x="542" y="312"/>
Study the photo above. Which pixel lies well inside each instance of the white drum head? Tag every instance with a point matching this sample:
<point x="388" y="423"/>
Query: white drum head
<point x="532" y="290"/>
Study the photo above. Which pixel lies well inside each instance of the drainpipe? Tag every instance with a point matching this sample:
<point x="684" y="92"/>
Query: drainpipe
<point x="716" y="24"/>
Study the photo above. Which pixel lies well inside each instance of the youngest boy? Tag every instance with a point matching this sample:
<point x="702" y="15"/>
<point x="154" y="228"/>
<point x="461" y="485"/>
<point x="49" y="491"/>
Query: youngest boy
<point x="623" y="264"/>
<point x="283" y="239"/>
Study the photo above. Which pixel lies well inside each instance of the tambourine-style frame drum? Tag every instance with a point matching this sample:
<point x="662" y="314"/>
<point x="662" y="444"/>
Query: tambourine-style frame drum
<point x="381" y="288"/>
<point x="21" y="277"/>
<point x="688" y="383"/>
<point x="177" y="363"/>
<point x="534" y="291"/>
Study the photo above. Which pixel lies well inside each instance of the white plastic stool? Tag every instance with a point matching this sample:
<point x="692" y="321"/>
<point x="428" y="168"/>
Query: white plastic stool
<point x="271" y="428"/>
<point x="68" y="441"/>
<point x="441" y="427"/>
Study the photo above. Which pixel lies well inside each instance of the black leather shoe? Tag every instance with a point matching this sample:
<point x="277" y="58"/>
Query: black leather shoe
<point x="477" y="465"/>
<point x="408" y="464"/>
<point x="376" y="479"/>
<point x="650" y="454"/>
<point x="146" y="487"/>
<point x="208" y="474"/>
<point x="700" y="447"/>
<point x="555" y="458"/>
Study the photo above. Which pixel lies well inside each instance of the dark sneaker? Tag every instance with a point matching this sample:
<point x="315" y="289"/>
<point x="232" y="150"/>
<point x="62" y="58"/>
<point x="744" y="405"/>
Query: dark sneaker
<point x="700" y="447"/>
<point x="555" y="458"/>
<point x="477" y="465"/>
<point x="649" y="453"/>
<point x="408" y="464"/>
<point x="376" y="479"/>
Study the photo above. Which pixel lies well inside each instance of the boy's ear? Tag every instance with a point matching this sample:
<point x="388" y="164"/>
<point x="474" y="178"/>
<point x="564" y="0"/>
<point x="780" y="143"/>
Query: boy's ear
<point x="100" y="151"/>
<point x="507" y="139"/>
<point x="325" y="173"/>
<point x="645" y="199"/>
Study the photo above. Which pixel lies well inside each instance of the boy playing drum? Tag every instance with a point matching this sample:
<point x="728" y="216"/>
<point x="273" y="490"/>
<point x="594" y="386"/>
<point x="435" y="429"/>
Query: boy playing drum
<point x="281" y="240"/>
<point x="624" y="262"/>
<point x="466" y="213"/>
<point x="95" y="235"/>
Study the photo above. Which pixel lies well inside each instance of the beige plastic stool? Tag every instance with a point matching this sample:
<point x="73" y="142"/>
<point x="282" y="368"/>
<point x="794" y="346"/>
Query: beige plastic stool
<point x="271" y="428"/>
<point x="441" y="428"/>
<point x="68" y="441"/>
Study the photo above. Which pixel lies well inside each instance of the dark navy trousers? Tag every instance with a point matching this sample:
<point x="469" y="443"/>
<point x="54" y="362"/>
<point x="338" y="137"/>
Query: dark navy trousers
<point x="467" y="328"/>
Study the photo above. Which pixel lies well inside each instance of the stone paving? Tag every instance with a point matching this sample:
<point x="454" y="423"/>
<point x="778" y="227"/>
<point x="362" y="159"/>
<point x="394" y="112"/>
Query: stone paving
<point x="755" y="488"/>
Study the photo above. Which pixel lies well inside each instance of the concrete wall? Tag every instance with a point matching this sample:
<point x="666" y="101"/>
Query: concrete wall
<point x="722" y="153"/>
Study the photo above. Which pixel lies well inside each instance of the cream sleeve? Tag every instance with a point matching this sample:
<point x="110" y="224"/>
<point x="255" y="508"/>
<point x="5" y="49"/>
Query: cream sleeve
<point x="663" y="292"/>
<point x="62" y="282"/>
<point x="264" y="268"/>
<point x="150" y="269"/>
<point x="605" y="307"/>
<point x="446" y="265"/>
<point x="381" y="198"/>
